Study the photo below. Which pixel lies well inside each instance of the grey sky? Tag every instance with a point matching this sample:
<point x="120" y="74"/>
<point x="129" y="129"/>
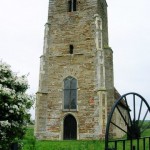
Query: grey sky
<point x="129" y="36"/>
<point x="22" y="32"/>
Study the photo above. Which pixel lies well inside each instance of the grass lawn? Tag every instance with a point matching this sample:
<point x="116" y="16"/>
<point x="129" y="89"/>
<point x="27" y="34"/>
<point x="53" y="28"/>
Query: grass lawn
<point x="70" y="145"/>
<point x="29" y="143"/>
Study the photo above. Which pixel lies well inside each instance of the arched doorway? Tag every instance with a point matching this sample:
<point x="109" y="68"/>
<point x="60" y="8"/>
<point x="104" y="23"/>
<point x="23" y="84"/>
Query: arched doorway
<point x="70" y="128"/>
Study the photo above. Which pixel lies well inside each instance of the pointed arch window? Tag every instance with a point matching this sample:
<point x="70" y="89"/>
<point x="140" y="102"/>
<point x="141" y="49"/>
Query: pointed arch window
<point x="72" y="5"/>
<point x="70" y="93"/>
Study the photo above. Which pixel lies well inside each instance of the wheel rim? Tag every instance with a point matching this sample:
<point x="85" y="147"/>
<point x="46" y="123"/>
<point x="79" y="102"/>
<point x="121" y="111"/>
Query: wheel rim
<point x="137" y="111"/>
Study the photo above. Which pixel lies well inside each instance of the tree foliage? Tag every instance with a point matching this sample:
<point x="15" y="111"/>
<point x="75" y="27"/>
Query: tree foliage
<point x="14" y="105"/>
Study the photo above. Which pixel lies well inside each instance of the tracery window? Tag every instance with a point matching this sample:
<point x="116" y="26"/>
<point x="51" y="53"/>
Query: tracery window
<point x="70" y="93"/>
<point x="72" y="5"/>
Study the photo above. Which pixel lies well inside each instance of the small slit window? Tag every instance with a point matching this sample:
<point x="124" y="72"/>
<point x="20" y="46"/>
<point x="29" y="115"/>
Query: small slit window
<point x="71" y="49"/>
<point x="72" y="4"/>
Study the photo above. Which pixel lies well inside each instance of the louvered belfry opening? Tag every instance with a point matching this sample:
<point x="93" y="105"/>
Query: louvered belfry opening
<point x="70" y="128"/>
<point x="72" y="5"/>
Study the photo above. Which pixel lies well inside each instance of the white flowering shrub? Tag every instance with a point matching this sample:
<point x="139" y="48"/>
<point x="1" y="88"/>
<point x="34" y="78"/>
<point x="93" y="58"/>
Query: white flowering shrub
<point x="14" y="106"/>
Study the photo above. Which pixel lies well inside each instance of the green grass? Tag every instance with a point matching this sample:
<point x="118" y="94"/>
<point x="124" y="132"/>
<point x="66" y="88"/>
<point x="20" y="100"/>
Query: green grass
<point x="69" y="145"/>
<point x="29" y="143"/>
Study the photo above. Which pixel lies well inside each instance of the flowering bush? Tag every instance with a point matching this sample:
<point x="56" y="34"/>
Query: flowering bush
<point x="14" y="106"/>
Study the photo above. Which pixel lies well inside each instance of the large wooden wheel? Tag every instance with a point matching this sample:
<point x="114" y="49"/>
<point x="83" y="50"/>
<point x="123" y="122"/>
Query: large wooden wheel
<point x="127" y="118"/>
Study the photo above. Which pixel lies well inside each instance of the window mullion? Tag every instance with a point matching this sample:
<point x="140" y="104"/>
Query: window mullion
<point x="72" y="5"/>
<point x="70" y="96"/>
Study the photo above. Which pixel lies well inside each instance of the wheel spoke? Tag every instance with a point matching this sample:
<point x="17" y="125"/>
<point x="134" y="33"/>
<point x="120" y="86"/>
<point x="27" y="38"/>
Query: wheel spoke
<point x="119" y="127"/>
<point x="140" y="110"/>
<point x="144" y="118"/>
<point x="128" y="111"/>
<point x="145" y="128"/>
<point x="134" y="119"/>
<point x="124" y="119"/>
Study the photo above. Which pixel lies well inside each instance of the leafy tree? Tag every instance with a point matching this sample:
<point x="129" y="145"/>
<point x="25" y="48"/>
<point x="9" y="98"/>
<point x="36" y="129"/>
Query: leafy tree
<point x="14" y="106"/>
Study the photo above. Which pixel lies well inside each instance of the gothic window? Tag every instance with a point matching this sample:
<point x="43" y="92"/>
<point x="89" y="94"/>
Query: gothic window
<point x="70" y="93"/>
<point x="72" y="5"/>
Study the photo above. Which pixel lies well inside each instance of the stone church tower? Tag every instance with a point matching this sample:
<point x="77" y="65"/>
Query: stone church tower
<point x="76" y="87"/>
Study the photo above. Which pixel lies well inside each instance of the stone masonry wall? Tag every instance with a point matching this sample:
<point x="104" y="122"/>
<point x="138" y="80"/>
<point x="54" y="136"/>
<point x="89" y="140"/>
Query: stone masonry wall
<point x="78" y="29"/>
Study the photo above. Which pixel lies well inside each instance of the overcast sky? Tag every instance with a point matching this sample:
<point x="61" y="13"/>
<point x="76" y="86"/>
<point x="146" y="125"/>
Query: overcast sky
<point x="22" y="32"/>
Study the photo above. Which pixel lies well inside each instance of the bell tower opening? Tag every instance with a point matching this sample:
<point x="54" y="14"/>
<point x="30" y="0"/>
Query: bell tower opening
<point x="70" y="128"/>
<point x="72" y="5"/>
